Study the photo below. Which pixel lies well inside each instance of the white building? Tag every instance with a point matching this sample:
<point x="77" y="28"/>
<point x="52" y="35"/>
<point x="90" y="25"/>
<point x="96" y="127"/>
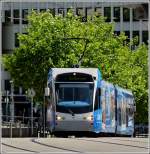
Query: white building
<point x="132" y="18"/>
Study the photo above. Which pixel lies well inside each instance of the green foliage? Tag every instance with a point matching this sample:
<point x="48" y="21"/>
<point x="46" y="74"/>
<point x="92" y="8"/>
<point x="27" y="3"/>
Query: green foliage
<point x="62" y="41"/>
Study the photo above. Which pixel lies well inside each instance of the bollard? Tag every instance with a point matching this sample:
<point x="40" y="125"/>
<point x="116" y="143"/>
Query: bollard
<point x="38" y="134"/>
<point x="10" y="129"/>
<point x="20" y="130"/>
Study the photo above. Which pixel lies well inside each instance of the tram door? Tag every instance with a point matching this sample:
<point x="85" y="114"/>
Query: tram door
<point x="97" y="112"/>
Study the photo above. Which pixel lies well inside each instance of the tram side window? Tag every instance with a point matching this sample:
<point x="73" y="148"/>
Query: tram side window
<point x="112" y="106"/>
<point x="127" y="116"/>
<point x="119" y="100"/>
<point x="130" y="114"/>
<point x="123" y="112"/>
<point x="119" y="113"/>
<point x="103" y="99"/>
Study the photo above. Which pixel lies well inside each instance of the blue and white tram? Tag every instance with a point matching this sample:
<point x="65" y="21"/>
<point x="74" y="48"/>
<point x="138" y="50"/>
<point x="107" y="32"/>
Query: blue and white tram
<point x="79" y="100"/>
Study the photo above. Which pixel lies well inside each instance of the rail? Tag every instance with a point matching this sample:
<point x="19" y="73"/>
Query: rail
<point x="21" y="127"/>
<point x="141" y="130"/>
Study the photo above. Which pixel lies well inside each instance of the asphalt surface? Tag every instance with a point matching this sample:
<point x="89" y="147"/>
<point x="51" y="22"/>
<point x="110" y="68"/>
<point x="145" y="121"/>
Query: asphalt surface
<point x="76" y="145"/>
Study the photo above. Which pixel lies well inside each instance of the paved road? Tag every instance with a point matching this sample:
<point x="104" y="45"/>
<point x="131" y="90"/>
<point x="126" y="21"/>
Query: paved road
<point x="75" y="145"/>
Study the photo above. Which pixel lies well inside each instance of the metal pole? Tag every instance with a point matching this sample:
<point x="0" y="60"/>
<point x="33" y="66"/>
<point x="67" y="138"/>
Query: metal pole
<point x="7" y="100"/>
<point x="12" y="101"/>
<point x="31" y="116"/>
<point x="0" y="77"/>
<point x="149" y="67"/>
<point x="44" y="115"/>
<point x="31" y="94"/>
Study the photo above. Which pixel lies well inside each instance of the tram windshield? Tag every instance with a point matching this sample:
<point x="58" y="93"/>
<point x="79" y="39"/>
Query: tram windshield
<point x="74" y="96"/>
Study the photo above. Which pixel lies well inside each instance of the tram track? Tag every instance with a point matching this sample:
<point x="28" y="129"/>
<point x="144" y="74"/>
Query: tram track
<point x="56" y="147"/>
<point x="19" y="148"/>
<point x="37" y="145"/>
<point x="127" y="145"/>
<point x="24" y="150"/>
<point x="129" y="140"/>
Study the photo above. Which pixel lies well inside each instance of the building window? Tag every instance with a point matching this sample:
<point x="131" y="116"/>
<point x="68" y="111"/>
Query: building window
<point x="16" y="90"/>
<point x="117" y="14"/>
<point x="23" y="91"/>
<point x="107" y="14"/>
<point x="25" y="33"/>
<point x="80" y="12"/>
<point x="145" y="37"/>
<point x="126" y="14"/>
<point x="16" y="16"/>
<point x="7" y="16"/>
<point x="145" y="7"/>
<point x="136" y="35"/>
<point x="127" y="34"/>
<point x="135" y="15"/>
<point x="61" y="11"/>
<point x="98" y="11"/>
<point x="42" y="10"/>
<point x="7" y="85"/>
<point x="69" y="9"/>
<point x="52" y="11"/>
<point x="5" y="69"/>
<point x="117" y="33"/>
<point x="16" y="40"/>
<point x="35" y="10"/>
<point x="88" y="13"/>
<point x="24" y="16"/>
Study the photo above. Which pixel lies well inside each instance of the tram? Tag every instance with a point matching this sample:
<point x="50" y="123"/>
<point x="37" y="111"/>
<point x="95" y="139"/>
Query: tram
<point x="78" y="99"/>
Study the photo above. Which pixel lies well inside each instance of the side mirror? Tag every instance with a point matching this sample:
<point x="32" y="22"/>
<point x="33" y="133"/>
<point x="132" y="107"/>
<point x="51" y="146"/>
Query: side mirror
<point x="47" y="91"/>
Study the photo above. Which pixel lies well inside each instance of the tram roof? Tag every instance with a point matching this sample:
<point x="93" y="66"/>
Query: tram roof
<point x="129" y="92"/>
<point x="90" y="71"/>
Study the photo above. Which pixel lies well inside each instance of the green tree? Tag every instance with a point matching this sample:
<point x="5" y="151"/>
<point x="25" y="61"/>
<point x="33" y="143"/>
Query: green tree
<point x="62" y="41"/>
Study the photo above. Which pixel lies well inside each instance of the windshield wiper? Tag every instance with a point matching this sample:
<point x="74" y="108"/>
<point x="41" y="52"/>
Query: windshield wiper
<point x="70" y="111"/>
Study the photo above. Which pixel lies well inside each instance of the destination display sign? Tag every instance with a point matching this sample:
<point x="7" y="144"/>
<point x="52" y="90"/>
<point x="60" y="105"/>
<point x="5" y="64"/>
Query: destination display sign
<point x="74" y="77"/>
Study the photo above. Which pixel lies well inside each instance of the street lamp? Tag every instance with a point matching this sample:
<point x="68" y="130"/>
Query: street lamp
<point x="12" y="101"/>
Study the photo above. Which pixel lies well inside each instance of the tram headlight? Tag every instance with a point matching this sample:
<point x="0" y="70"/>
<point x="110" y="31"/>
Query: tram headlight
<point x="59" y="118"/>
<point x="90" y="118"/>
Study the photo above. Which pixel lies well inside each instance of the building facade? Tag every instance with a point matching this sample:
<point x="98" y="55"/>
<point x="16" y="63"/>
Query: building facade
<point x="130" y="18"/>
